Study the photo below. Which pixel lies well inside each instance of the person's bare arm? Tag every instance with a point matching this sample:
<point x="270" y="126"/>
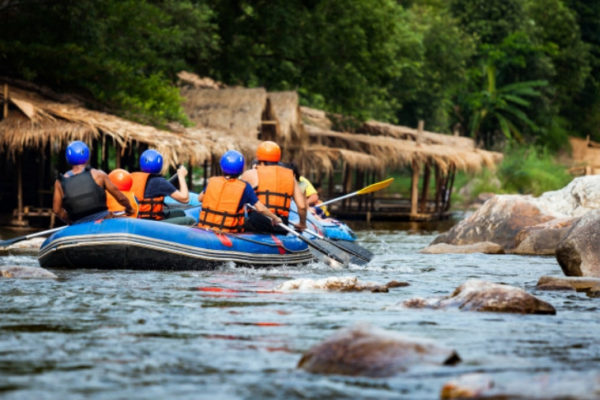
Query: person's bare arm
<point x="57" y="207"/>
<point x="182" y="195"/>
<point x="250" y="176"/>
<point x="312" y="200"/>
<point x="116" y="193"/>
<point x="200" y="197"/>
<point x="261" y="208"/>
<point x="300" y="200"/>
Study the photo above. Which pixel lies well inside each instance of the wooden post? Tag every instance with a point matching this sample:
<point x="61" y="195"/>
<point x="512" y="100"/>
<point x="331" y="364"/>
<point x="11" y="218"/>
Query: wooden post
<point x="420" y="128"/>
<point x="414" y="191"/>
<point x="20" y="190"/>
<point x="425" y="188"/>
<point x="5" y="113"/>
<point x="451" y="175"/>
<point x="438" y="188"/>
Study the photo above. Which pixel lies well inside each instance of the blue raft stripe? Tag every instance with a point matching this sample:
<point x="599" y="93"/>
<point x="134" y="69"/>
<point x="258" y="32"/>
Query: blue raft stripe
<point x="98" y="240"/>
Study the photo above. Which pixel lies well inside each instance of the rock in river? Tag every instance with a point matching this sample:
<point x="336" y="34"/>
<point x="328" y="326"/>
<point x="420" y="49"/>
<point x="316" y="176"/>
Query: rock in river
<point x="367" y="351"/>
<point x="21" y="271"/>
<point x="24" y="247"/>
<point x="478" y="295"/>
<point x="578" y="253"/>
<point x="525" y="224"/>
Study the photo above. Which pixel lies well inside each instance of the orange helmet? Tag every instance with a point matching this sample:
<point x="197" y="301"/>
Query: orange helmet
<point x="121" y="179"/>
<point x="268" y="151"/>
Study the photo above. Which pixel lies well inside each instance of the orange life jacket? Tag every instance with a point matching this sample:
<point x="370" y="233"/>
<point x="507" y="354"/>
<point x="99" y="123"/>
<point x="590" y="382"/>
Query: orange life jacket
<point x="275" y="188"/>
<point x="114" y="206"/>
<point x="220" y="205"/>
<point x="149" y="208"/>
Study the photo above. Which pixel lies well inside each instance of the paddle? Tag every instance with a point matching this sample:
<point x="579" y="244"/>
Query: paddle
<point x="369" y="189"/>
<point x="8" y="242"/>
<point x="357" y="258"/>
<point x="333" y="260"/>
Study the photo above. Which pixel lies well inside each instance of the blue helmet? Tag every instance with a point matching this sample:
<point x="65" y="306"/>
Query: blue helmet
<point x="232" y="163"/>
<point x="77" y="153"/>
<point x="151" y="161"/>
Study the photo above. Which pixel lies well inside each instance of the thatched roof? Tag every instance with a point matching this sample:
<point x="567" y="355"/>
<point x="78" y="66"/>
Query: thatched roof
<point x="42" y="122"/>
<point x="286" y="112"/>
<point x="585" y="151"/>
<point x="235" y="111"/>
<point x="314" y="117"/>
<point x="398" y="152"/>
<point x="318" y="157"/>
<point x="406" y="133"/>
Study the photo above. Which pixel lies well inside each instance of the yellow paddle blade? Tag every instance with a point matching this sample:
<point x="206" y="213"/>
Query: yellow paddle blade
<point x="376" y="186"/>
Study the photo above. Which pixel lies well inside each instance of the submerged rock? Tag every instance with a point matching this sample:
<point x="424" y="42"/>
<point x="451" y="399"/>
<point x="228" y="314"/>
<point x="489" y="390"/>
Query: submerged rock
<point x="24" y="247"/>
<point x="341" y="284"/>
<point x="563" y="385"/>
<point x="21" y="271"/>
<point x="367" y="351"/>
<point x="578" y="253"/>
<point x="478" y="295"/>
<point x="481" y="247"/>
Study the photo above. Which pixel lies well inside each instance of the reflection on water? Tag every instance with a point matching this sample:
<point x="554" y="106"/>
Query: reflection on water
<point x="231" y="334"/>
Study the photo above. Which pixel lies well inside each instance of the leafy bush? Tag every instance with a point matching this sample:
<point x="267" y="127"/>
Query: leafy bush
<point x="524" y="170"/>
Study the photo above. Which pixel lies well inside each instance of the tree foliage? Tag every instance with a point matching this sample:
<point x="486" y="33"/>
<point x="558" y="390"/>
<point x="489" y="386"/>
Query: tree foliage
<point x="468" y="65"/>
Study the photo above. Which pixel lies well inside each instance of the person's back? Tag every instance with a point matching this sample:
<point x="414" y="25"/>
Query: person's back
<point x="79" y="194"/>
<point x="224" y="198"/>
<point x="275" y="187"/>
<point x="150" y="188"/>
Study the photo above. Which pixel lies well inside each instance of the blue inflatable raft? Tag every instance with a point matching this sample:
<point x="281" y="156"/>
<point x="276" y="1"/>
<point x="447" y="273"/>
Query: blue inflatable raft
<point x="126" y="243"/>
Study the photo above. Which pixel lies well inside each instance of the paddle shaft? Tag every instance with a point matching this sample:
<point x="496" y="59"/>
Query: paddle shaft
<point x="315" y="246"/>
<point x="368" y="189"/>
<point x="8" y="242"/>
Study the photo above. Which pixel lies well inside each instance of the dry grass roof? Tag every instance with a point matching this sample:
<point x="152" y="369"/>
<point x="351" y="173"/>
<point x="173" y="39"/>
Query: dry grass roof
<point x="41" y="121"/>
<point x="286" y="113"/>
<point x="394" y="152"/>
<point x="235" y="111"/>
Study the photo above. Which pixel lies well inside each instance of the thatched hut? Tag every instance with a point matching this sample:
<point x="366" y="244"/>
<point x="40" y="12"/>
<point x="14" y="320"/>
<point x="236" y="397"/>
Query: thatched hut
<point x="586" y="156"/>
<point x="391" y="148"/>
<point x="35" y="129"/>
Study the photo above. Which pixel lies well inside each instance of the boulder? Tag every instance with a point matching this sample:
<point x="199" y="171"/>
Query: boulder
<point x="542" y="239"/>
<point x="481" y="247"/>
<point x="22" y="271"/>
<point x="579" y="284"/>
<point x="367" y="351"/>
<point x="525" y="224"/>
<point x="340" y="284"/>
<point x="498" y="221"/>
<point x="478" y="295"/>
<point x="578" y="253"/>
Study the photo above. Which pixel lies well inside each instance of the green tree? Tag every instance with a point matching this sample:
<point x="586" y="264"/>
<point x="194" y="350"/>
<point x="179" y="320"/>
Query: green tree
<point x="501" y="108"/>
<point x="123" y="53"/>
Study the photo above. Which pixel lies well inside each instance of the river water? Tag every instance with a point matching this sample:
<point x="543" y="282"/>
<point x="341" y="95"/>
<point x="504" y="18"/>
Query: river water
<point x="230" y="334"/>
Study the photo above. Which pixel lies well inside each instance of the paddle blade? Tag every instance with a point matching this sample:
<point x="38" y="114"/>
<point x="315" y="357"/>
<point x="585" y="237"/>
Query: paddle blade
<point x="359" y="255"/>
<point x="341" y="258"/>
<point x="376" y="186"/>
<point x="8" y="242"/>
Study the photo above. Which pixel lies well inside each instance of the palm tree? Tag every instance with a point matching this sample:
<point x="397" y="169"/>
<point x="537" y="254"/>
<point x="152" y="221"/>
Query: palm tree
<point x="502" y="108"/>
